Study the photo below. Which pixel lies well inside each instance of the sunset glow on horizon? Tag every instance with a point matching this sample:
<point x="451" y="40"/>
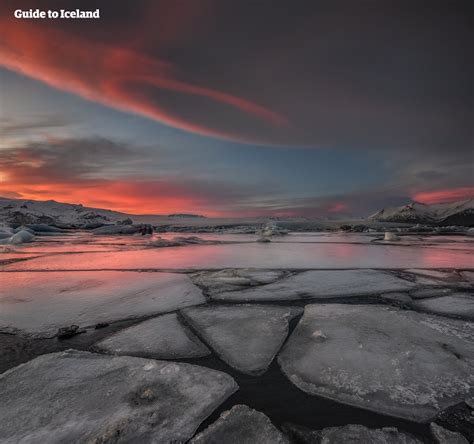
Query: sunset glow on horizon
<point x="167" y="107"/>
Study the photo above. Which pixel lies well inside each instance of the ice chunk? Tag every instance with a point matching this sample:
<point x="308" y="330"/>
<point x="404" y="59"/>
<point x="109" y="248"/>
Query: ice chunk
<point x="163" y="337"/>
<point x="443" y="436"/>
<point x="322" y="284"/>
<point x="247" y="337"/>
<point x="435" y="282"/>
<point x="6" y="232"/>
<point x="457" y="304"/>
<point x="77" y="396"/>
<point x="116" y="229"/>
<point x="235" y="279"/>
<point x="351" y="433"/>
<point x="360" y="434"/>
<point x="391" y="237"/>
<point x="22" y="237"/>
<point x="40" y="303"/>
<point x="434" y="273"/>
<point x="241" y="425"/>
<point x="391" y="361"/>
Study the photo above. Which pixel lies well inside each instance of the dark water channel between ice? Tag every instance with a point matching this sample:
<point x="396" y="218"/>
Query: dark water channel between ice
<point x="271" y="393"/>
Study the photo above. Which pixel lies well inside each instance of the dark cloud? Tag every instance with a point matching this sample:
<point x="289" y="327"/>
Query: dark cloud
<point x="366" y="74"/>
<point x="104" y="173"/>
<point x="96" y="172"/>
<point x="64" y="159"/>
<point x="390" y="80"/>
<point x="352" y="204"/>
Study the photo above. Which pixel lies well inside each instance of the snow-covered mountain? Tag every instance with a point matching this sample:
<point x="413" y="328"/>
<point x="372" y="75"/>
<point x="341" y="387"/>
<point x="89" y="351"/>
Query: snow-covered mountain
<point x="15" y="212"/>
<point x="455" y="213"/>
<point x="22" y="212"/>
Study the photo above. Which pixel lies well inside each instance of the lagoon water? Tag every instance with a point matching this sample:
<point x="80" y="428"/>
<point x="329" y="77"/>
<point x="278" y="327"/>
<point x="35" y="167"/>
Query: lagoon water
<point x="82" y="251"/>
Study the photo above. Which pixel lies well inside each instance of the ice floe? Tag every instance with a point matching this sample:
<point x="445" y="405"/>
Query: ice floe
<point x="443" y="436"/>
<point x="247" y="337"/>
<point x="390" y="361"/>
<point x="448" y="275"/>
<point x="163" y="337"/>
<point x="18" y="238"/>
<point x="39" y="303"/>
<point x="235" y="279"/>
<point x="351" y="433"/>
<point x="457" y="305"/>
<point x="241" y="425"/>
<point x="77" y="396"/>
<point x="322" y="284"/>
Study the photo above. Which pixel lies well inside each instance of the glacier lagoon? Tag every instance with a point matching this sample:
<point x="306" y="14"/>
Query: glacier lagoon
<point x="108" y="286"/>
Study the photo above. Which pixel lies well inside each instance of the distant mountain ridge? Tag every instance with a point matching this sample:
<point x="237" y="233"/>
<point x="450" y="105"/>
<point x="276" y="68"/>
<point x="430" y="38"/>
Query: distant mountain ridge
<point x="186" y="215"/>
<point x="15" y="212"/>
<point x="24" y="211"/>
<point x="454" y="213"/>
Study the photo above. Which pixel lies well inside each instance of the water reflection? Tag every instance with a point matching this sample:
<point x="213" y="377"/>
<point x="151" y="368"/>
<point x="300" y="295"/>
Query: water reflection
<point x="132" y="253"/>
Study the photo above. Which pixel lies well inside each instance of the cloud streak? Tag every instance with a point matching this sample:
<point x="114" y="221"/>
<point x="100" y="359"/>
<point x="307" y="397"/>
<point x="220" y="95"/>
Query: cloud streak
<point x="444" y="195"/>
<point x="114" y="76"/>
<point x="308" y="75"/>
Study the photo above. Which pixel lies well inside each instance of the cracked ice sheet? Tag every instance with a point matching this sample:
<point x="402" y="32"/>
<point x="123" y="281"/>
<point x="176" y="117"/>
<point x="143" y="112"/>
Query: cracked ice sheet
<point x="246" y="336"/>
<point x="390" y="361"/>
<point x="457" y="304"/>
<point x="38" y="304"/>
<point x="321" y="284"/>
<point x="242" y="425"/>
<point x="274" y="255"/>
<point x="163" y="337"/>
<point x="443" y="275"/>
<point x="84" y="397"/>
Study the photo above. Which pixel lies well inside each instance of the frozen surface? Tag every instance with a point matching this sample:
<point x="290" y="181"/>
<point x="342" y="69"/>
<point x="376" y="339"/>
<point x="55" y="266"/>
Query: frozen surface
<point x="84" y="397"/>
<point x="60" y="247"/>
<point x="390" y="361"/>
<point x="353" y="434"/>
<point x="9" y="255"/>
<point x="443" y="436"/>
<point x="322" y="284"/>
<point x="274" y="255"/>
<point x="235" y="279"/>
<point x="445" y="275"/>
<point x="247" y="337"/>
<point x="40" y="303"/>
<point x="457" y="304"/>
<point x="241" y="425"/>
<point x="163" y="337"/>
<point x="21" y="237"/>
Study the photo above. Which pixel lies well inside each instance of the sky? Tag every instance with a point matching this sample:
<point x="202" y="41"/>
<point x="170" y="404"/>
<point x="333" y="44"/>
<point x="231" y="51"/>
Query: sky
<point x="321" y="108"/>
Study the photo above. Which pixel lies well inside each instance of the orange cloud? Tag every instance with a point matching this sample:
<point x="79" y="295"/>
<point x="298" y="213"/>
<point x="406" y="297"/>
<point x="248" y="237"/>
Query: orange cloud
<point x="441" y="196"/>
<point x="130" y="196"/>
<point x="75" y="171"/>
<point x="115" y="76"/>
